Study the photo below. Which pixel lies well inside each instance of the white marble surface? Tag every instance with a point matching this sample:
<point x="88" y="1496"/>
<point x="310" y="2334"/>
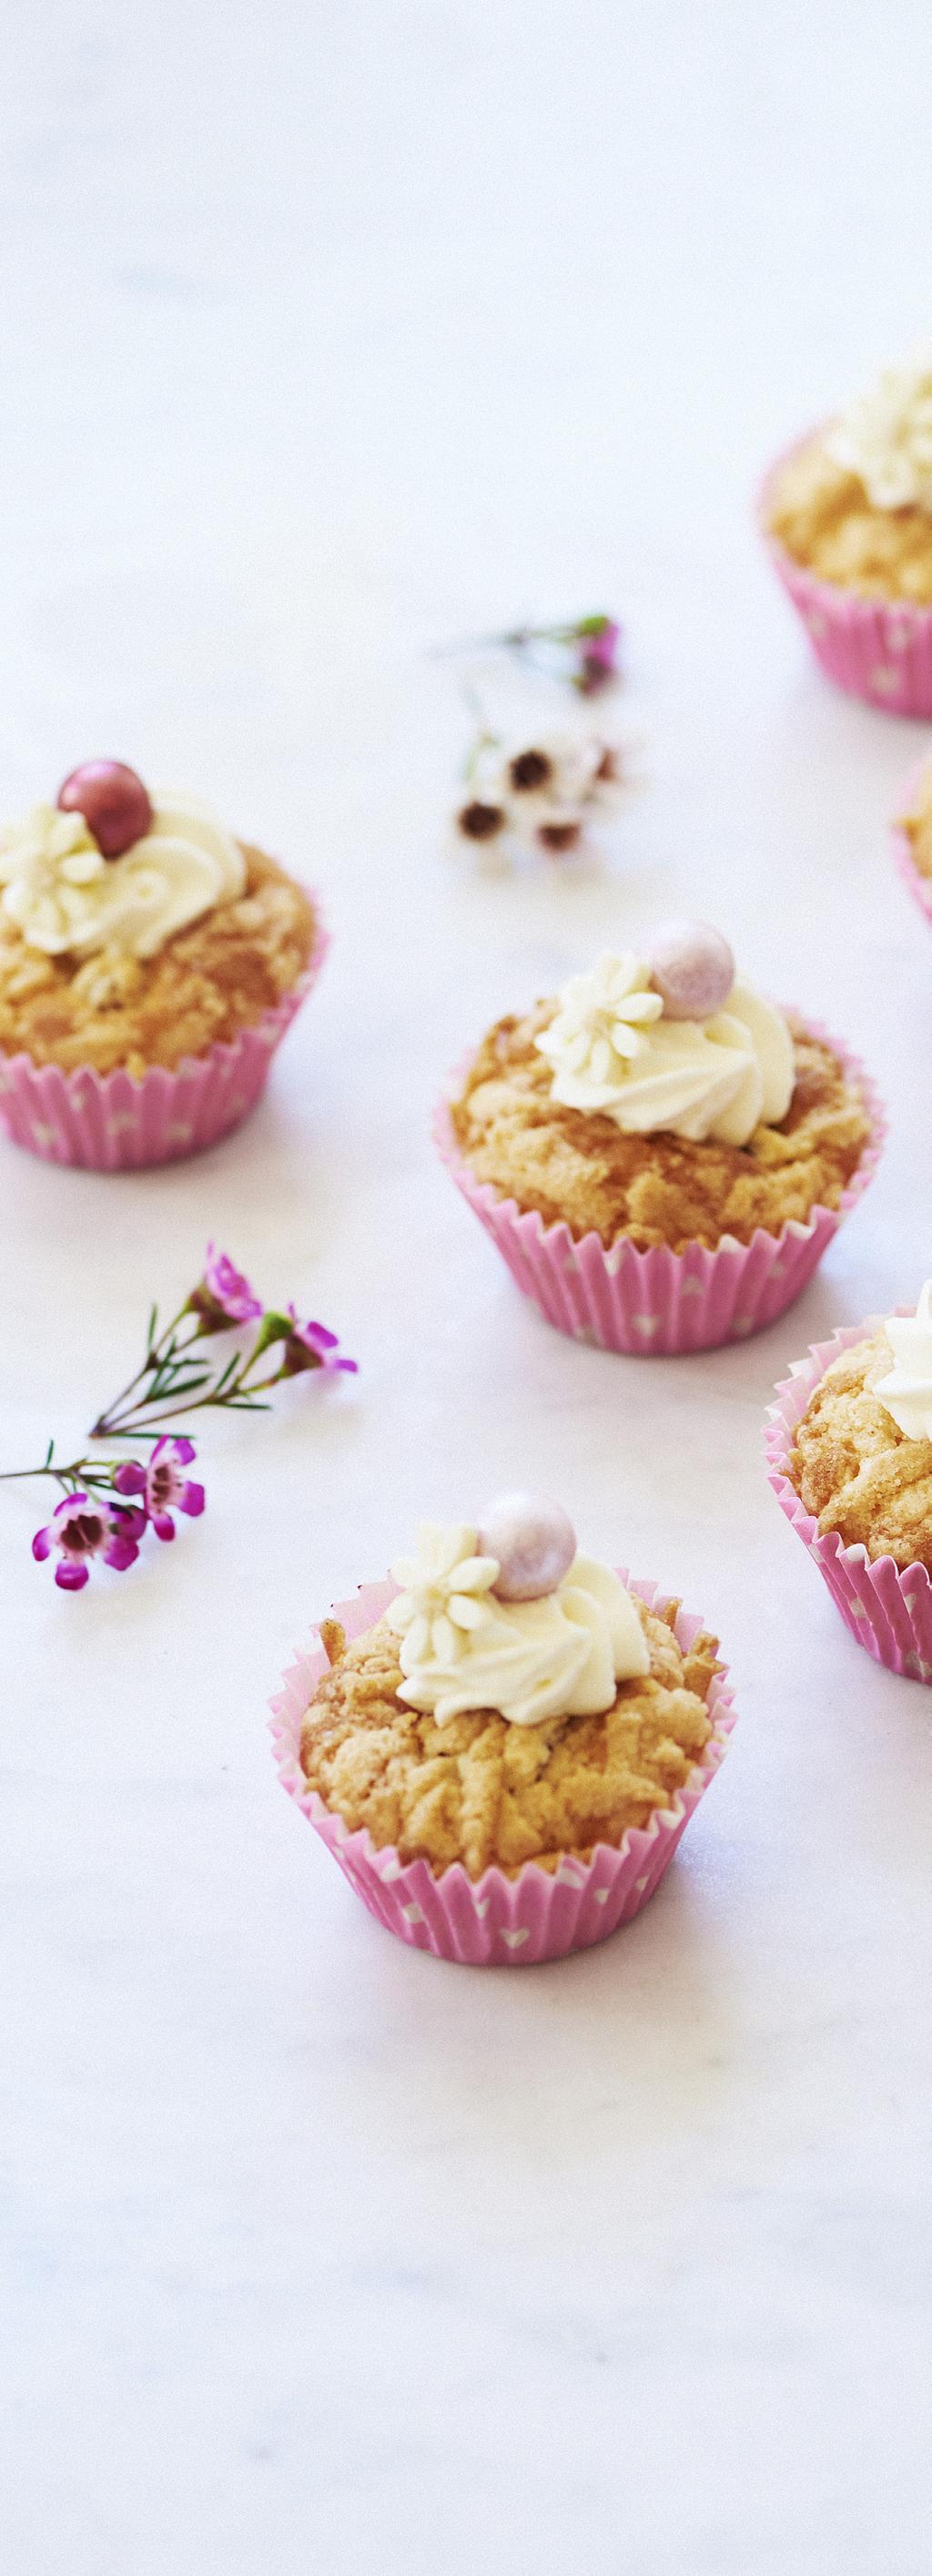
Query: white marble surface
<point x="330" y="332"/>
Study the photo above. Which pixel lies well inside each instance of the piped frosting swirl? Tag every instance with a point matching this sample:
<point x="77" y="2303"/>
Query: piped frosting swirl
<point x="462" y="1647"/>
<point x="615" y="1051"/>
<point x="66" y="898"/>
<point x="906" y="1391"/>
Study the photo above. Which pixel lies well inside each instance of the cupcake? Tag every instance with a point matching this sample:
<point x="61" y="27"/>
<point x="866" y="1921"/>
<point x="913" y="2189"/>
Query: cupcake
<point x="847" y="515"/>
<point x="912" y="839"/>
<point x="149" y="965"/>
<point x="850" y="1460"/>
<point x="503" y="1745"/>
<point x="659" y="1153"/>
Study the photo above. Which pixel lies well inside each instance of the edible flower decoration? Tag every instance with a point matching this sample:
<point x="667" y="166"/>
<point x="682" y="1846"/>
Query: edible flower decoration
<point x="508" y="1616"/>
<point x="906" y="1390"/>
<point x="109" y="1504"/>
<point x="671" y="1041"/>
<point x="885" y="438"/>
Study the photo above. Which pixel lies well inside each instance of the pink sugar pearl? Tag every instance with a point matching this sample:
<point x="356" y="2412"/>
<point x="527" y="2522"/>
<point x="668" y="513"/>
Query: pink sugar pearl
<point x="113" y="801"/>
<point x="534" y="1542"/>
<point x="692" y="968"/>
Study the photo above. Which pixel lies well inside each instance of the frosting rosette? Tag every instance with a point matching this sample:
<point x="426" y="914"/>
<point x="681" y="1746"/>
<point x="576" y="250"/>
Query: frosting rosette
<point x="906" y="1390"/>
<point x="885" y="438"/>
<point x="463" y="1647"/>
<point x="617" y="1052"/>
<point x="67" y="898"/>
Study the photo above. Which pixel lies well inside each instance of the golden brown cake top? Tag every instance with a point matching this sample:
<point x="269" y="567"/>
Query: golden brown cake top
<point x="207" y="982"/>
<point x="853" y="1466"/>
<point x="821" y="514"/>
<point x="479" y="1790"/>
<point x="657" y="1188"/>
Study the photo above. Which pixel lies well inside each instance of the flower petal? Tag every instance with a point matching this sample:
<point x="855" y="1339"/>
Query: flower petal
<point x="191" y="1500"/>
<point x="42" y="1544"/>
<point x="71" y="1577"/>
<point x="163" y="1526"/>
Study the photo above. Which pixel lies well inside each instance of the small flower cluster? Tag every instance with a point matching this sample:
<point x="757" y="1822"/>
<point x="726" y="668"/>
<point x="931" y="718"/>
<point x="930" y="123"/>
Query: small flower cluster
<point x="108" y="1505"/>
<point x="86" y="1523"/>
<point x="542" y="794"/>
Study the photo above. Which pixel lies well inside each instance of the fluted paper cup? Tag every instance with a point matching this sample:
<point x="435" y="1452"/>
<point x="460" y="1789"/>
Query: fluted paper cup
<point x="920" y="887"/>
<point x="887" y="1610"/>
<point x="494" y="1921"/>
<point x="661" y="1302"/>
<point x="877" y="649"/>
<point x="113" y="1122"/>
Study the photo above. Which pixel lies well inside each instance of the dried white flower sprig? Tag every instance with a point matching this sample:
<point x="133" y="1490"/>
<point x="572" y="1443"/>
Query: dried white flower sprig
<point x="542" y="791"/>
<point x="543" y="794"/>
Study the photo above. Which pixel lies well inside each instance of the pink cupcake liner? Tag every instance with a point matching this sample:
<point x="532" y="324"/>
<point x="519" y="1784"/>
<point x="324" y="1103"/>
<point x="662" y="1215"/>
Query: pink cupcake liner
<point x="494" y="1921"/>
<point x="920" y="887"/>
<point x="660" y="1302"/>
<point x="880" y="650"/>
<point x="887" y="1610"/>
<point x="113" y="1123"/>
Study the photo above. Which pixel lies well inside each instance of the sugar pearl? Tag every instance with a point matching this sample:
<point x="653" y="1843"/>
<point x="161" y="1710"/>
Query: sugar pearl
<point x="534" y="1542"/>
<point x="113" y="801"/>
<point x="692" y="968"/>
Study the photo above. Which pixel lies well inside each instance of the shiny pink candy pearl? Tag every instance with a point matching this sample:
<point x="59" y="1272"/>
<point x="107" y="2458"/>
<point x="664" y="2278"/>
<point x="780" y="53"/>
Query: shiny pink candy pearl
<point x="113" y="802"/>
<point x="534" y="1542"/>
<point x="692" y="968"/>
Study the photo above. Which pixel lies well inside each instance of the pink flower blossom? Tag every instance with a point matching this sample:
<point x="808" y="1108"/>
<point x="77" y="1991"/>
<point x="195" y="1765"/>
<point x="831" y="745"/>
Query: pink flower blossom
<point x="311" y="1346"/>
<point x="597" y="641"/>
<point x="224" y="1296"/>
<point x="163" y="1485"/>
<point x="82" y="1526"/>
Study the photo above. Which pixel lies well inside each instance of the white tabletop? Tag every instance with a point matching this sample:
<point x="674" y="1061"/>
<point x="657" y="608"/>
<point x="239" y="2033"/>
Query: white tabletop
<point x="332" y="332"/>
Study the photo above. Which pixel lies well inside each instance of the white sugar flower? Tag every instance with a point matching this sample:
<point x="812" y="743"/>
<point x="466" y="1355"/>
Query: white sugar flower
<point x="43" y="869"/>
<point x="441" y="1602"/>
<point x="601" y="1026"/>
<point x="886" y="439"/>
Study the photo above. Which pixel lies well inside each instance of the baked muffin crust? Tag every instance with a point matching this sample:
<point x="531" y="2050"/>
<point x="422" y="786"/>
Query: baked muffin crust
<point x="208" y="982"/>
<point x="479" y="1790"/>
<point x="855" y="1470"/>
<point x="656" y="1189"/>
<point x="821" y="515"/>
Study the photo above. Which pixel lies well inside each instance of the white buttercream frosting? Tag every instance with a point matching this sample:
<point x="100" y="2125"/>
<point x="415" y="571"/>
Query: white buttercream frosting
<point x="886" y="439"/>
<point x="906" y="1391"/>
<point x="66" y="898"/>
<point x="614" y="1051"/>
<point x="461" y="1648"/>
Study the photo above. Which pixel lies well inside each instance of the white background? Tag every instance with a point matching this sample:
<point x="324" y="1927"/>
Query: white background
<point x="333" y="330"/>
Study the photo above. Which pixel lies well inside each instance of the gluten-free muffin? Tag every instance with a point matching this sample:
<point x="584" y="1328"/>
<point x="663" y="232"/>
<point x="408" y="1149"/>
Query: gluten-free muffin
<point x="848" y="518"/>
<point x="862" y="1458"/>
<point x="849" y="1450"/>
<point x="139" y="935"/>
<point x="658" y="1105"/>
<point x="514" y="1709"/>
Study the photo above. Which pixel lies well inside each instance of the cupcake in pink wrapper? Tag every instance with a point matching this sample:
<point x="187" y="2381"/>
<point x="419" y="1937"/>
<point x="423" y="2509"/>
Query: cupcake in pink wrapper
<point x="502" y="1745"/>
<point x="849" y="1456"/>
<point x="660" y="1155"/>
<point x="846" y="515"/>
<point x="912" y="838"/>
<point x="149" y="966"/>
